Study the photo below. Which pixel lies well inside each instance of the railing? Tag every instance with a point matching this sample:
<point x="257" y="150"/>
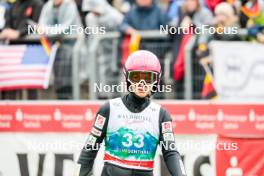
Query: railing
<point x="111" y="49"/>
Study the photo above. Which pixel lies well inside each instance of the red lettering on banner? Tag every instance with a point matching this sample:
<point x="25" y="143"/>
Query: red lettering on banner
<point x="187" y="118"/>
<point x="47" y="117"/>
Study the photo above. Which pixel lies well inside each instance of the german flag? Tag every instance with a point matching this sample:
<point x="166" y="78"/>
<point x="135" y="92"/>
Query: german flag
<point x="251" y="12"/>
<point x="46" y="44"/>
<point x="129" y="45"/>
<point x="134" y="43"/>
<point x="208" y="91"/>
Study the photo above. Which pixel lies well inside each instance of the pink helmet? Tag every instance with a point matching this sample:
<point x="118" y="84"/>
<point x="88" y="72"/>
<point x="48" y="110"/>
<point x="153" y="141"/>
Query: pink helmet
<point x="143" y="60"/>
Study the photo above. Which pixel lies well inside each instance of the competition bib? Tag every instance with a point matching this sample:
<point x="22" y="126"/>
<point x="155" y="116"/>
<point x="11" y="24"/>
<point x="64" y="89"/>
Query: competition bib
<point x="132" y="138"/>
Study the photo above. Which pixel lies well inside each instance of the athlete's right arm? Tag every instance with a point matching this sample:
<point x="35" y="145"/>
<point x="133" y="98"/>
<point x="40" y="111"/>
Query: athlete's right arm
<point x="95" y="138"/>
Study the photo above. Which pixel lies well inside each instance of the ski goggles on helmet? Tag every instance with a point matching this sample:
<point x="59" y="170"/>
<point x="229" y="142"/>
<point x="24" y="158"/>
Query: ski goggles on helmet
<point x="148" y="76"/>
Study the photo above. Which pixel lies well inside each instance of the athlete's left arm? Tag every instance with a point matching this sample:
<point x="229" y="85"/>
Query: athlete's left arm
<point x="171" y="156"/>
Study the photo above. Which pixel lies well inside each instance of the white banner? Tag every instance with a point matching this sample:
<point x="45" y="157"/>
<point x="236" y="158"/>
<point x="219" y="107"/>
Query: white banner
<point x="198" y="153"/>
<point x="55" y="154"/>
<point x="238" y="69"/>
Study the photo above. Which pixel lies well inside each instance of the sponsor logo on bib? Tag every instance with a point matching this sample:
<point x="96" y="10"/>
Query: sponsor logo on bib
<point x="166" y="127"/>
<point x="100" y="121"/>
<point x="91" y="140"/>
<point x="168" y="137"/>
<point x="96" y="132"/>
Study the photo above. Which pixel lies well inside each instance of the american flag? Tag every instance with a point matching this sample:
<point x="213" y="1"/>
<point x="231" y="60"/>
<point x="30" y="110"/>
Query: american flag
<point x="25" y="67"/>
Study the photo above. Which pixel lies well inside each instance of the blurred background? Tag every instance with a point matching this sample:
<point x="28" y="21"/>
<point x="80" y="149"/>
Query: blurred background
<point x="73" y="52"/>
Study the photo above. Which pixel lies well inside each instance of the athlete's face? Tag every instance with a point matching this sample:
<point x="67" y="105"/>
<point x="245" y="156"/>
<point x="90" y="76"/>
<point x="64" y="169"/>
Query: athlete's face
<point x="141" y="89"/>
